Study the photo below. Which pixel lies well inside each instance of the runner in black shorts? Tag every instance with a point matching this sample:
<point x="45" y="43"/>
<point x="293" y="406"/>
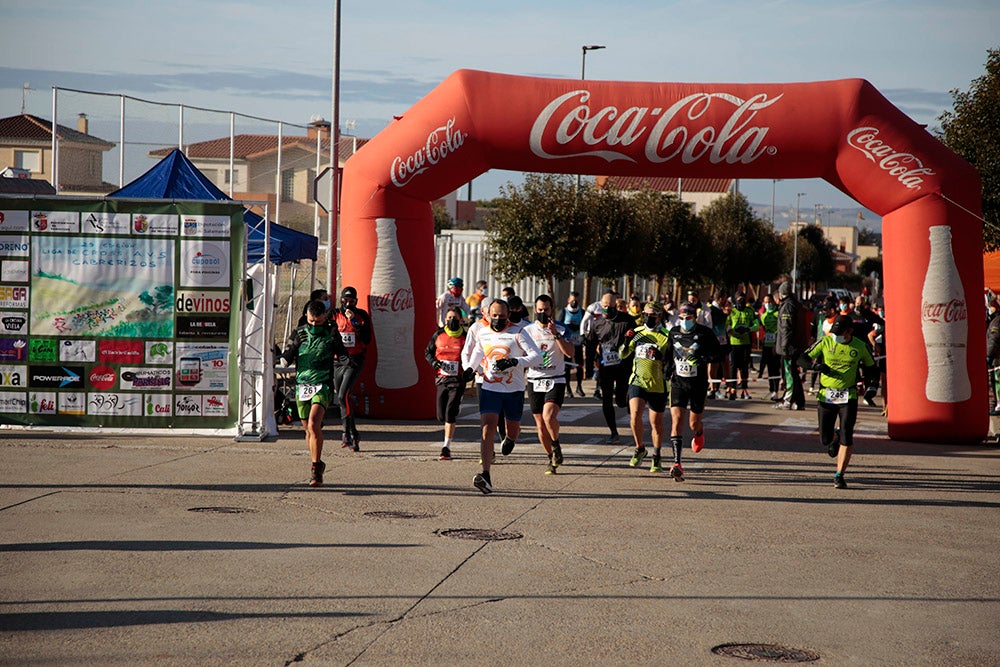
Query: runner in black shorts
<point x="692" y="347"/>
<point x="546" y="381"/>
<point x="647" y="349"/>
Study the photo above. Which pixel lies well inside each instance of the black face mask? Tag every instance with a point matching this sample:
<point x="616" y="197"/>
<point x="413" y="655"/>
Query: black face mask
<point x="741" y="303"/>
<point x="543" y="318"/>
<point x="498" y="323"/>
<point x="453" y="324"/>
<point x="652" y="321"/>
<point x="516" y="316"/>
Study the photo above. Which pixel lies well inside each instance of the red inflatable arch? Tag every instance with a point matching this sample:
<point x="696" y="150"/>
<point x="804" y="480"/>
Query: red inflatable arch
<point x="843" y="131"/>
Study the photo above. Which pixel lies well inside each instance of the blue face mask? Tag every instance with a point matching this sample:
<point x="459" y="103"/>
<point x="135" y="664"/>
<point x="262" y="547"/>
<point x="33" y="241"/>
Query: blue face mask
<point x="687" y="325"/>
<point x="840" y="339"/>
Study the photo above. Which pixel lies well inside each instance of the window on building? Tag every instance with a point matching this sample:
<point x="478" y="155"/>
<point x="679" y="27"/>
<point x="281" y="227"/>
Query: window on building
<point x="310" y="179"/>
<point x="30" y="160"/>
<point x="288" y="185"/>
<point x="227" y="177"/>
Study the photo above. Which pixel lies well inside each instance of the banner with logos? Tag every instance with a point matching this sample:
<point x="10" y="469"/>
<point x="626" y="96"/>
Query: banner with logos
<point x="119" y="313"/>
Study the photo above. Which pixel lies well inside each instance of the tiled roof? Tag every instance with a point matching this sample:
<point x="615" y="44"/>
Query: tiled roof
<point x="666" y="184"/>
<point x="26" y="127"/>
<point x="26" y="186"/>
<point x="248" y="146"/>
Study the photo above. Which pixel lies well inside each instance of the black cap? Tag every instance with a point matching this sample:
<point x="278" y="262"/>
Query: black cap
<point x="348" y="293"/>
<point x="841" y="324"/>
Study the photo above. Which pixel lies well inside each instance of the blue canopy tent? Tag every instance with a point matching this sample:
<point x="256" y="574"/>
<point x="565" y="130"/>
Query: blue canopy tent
<point x="175" y="177"/>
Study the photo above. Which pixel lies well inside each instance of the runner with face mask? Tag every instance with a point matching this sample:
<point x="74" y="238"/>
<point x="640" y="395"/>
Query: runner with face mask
<point x="547" y="379"/>
<point x="693" y="346"/>
<point x="504" y="351"/>
<point x="572" y="317"/>
<point x="838" y="358"/>
<point x="648" y="348"/>
<point x="444" y="354"/>
<point x="312" y="349"/>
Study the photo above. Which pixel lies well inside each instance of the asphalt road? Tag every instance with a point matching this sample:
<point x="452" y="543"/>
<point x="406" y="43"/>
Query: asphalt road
<point x="123" y="550"/>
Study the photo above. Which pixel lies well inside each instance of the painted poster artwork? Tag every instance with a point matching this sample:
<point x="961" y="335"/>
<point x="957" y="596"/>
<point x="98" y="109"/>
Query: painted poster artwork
<point x="102" y="287"/>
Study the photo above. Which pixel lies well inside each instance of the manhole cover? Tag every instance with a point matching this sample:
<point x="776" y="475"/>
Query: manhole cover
<point x="481" y="534"/>
<point x="223" y="510"/>
<point x="766" y="652"/>
<point x="398" y="515"/>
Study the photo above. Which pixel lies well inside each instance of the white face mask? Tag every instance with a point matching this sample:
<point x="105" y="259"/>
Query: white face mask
<point x="687" y="325"/>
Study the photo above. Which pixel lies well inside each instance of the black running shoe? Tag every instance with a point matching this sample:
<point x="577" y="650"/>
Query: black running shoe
<point x="838" y="481"/>
<point x="507" y="446"/>
<point x="316" y="474"/>
<point x="482" y="482"/>
<point x="445" y="454"/>
<point x="557" y="457"/>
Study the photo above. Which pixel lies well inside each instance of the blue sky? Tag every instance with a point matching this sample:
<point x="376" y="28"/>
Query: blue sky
<point x="274" y="60"/>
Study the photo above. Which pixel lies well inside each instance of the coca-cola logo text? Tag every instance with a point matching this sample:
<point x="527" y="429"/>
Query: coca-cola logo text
<point x="441" y="142"/>
<point x="906" y="167"/>
<point x="953" y="311"/>
<point x="736" y="141"/>
<point x="401" y="299"/>
<point x="102" y="377"/>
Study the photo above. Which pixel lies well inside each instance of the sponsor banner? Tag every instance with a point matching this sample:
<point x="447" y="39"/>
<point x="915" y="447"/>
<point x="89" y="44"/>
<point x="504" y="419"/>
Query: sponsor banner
<point x="13" y="323"/>
<point x="103" y="286"/>
<point x="204" y="264"/>
<point x="13" y="349"/>
<point x="13" y="402"/>
<point x="158" y="405"/>
<point x="13" y="376"/>
<point x="133" y="378"/>
<point x="42" y="403"/>
<point x="118" y="405"/>
<point x="205" y="225"/>
<point x="12" y="245"/>
<point x="43" y="349"/>
<point x="62" y="222"/>
<point x="13" y="296"/>
<point x="102" y="377"/>
<point x="106" y="223"/>
<point x="13" y="221"/>
<point x="14" y="270"/>
<point x="72" y="403"/>
<point x="120" y="351"/>
<point x="204" y="326"/>
<point x="215" y="405"/>
<point x="159" y="352"/>
<point x="56" y="377"/>
<point x="208" y="303"/>
<point x="202" y="367"/>
<point x="187" y="406"/>
<point x="154" y="224"/>
<point x="78" y="350"/>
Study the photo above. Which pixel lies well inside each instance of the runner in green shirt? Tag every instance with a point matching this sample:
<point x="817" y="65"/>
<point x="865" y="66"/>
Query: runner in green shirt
<point x="647" y="384"/>
<point x="770" y="362"/>
<point x="312" y="348"/>
<point x="838" y="358"/>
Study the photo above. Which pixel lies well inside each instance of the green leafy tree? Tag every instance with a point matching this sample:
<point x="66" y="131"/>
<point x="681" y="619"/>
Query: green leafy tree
<point x="868" y="237"/>
<point x="539" y="229"/>
<point x="744" y="249"/>
<point x="815" y="255"/>
<point x="617" y="237"/>
<point x="442" y="219"/>
<point x="672" y="240"/>
<point x="973" y="131"/>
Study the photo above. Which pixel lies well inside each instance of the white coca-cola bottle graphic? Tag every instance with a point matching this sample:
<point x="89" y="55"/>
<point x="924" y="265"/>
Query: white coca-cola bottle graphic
<point x="944" y="320"/>
<point x="391" y="304"/>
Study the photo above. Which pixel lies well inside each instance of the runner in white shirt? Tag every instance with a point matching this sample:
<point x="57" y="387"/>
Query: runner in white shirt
<point x="451" y="298"/>
<point x="548" y="378"/>
<point x="505" y="351"/>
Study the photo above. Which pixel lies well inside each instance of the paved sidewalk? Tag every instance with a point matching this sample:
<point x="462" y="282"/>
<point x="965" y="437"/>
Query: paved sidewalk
<point x="204" y="551"/>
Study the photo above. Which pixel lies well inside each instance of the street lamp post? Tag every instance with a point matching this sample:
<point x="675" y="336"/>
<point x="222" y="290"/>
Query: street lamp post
<point x="795" y="243"/>
<point x="583" y="76"/>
